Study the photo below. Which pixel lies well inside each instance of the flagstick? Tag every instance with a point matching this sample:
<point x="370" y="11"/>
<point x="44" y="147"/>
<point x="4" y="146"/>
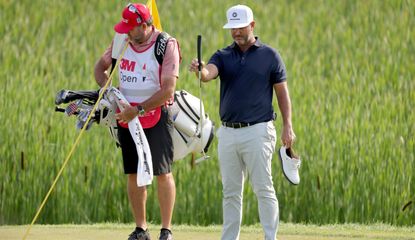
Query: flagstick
<point x="103" y="89"/>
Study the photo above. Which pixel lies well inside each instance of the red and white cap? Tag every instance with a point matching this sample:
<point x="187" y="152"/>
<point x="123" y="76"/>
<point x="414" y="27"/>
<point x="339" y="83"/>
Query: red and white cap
<point x="134" y="14"/>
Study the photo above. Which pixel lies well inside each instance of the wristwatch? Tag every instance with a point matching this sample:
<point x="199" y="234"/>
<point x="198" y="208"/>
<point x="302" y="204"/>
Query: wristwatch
<point x="141" y="110"/>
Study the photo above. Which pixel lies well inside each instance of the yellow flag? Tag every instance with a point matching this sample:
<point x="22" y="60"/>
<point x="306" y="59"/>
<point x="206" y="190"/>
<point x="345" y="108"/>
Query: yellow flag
<point x="151" y="4"/>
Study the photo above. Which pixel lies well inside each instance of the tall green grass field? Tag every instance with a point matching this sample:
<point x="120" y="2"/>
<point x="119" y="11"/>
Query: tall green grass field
<point x="351" y="76"/>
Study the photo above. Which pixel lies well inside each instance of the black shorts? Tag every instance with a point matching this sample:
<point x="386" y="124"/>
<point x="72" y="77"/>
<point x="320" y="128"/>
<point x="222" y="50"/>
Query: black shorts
<point x="161" y="146"/>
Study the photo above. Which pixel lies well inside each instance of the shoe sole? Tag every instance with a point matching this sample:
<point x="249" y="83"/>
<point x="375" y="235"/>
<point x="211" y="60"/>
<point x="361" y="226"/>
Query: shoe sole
<point x="282" y="166"/>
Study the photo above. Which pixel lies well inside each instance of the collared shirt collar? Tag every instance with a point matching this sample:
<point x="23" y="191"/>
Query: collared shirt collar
<point x="257" y="43"/>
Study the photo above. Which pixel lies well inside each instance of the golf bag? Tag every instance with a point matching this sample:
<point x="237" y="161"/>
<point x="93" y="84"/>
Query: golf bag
<point x="192" y="133"/>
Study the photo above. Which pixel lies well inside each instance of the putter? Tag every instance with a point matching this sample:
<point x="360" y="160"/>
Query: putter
<point x="199" y="60"/>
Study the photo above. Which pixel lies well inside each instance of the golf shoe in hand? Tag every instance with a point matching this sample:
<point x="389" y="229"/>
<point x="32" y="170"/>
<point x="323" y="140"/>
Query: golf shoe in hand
<point x="290" y="165"/>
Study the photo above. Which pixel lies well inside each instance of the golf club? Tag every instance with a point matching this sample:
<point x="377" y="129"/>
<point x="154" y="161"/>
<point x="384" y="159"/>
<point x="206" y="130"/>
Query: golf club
<point x="199" y="60"/>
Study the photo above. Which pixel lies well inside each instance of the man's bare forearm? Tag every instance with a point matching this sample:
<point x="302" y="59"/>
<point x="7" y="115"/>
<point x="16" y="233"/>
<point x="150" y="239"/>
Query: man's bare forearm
<point x="284" y="103"/>
<point x="99" y="72"/>
<point x="162" y="96"/>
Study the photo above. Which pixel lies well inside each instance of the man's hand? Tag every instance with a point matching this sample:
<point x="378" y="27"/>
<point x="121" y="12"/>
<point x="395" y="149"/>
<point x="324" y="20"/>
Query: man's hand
<point x="127" y="114"/>
<point x="194" y="65"/>
<point x="287" y="136"/>
<point x="207" y="72"/>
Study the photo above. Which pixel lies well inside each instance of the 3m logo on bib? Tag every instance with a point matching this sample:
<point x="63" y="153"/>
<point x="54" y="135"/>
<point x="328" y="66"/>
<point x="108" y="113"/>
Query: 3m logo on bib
<point x="128" y="65"/>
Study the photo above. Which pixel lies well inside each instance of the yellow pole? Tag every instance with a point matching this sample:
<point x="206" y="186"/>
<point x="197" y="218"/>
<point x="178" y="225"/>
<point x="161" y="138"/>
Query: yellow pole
<point x="152" y="6"/>
<point x="74" y="146"/>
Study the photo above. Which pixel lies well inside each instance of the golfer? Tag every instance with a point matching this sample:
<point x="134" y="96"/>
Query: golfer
<point x="249" y="72"/>
<point x="148" y="85"/>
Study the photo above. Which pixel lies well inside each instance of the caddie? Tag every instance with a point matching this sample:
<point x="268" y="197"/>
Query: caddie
<point x="148" y="85"/>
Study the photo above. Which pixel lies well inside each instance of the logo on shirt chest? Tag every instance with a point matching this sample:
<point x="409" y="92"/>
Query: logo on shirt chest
<point x="127" y="65"/>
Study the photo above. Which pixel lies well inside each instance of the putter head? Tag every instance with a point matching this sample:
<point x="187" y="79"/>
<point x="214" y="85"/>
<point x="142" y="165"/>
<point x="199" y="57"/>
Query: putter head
<point x="61" y="96"/>
<point x="201" y="159"/>
<point x="66" y="96"/>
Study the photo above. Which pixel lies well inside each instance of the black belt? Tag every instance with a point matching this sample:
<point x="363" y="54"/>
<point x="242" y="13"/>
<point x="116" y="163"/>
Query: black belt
<point x="237" y="125"/>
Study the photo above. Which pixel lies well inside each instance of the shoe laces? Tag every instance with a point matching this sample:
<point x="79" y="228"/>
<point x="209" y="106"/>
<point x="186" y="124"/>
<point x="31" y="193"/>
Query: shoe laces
<point x="295" y="163"/>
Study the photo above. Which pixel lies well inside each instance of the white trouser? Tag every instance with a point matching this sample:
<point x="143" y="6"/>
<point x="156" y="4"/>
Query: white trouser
<point x="249" y="151"/>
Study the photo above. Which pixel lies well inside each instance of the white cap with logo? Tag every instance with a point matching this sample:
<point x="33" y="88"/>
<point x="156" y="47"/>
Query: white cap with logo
<point x="239" y="16"/>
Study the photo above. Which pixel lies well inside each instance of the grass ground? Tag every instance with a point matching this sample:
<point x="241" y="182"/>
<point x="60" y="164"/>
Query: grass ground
<point x="351" y="75"/>
<point x="287" y="231"/>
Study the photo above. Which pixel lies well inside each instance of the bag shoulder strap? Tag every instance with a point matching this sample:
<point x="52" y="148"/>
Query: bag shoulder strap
<point x="161" y="46"/>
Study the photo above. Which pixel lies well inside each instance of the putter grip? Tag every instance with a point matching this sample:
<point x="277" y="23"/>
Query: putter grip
<point x="199" y="51"/>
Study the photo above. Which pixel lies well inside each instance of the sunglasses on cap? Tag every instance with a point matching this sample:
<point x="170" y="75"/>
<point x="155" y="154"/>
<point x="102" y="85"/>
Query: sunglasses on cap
<point x="133" y="9"/>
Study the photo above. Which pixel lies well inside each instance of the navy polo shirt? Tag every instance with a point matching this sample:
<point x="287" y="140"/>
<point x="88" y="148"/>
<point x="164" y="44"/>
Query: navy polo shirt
<point x="246" y="82"/>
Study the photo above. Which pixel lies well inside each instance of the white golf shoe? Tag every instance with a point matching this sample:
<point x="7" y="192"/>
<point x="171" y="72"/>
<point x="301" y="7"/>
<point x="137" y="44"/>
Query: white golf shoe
<point x="290" y="165"/>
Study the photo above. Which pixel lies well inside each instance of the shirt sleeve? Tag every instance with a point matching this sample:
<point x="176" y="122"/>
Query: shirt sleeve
<point x="216" y="60"/>
<point x="171" y="61"/>
<point x="278" y="73"/>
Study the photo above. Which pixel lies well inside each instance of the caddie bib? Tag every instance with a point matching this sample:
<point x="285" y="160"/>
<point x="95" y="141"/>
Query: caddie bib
<point x="139" y="77"/>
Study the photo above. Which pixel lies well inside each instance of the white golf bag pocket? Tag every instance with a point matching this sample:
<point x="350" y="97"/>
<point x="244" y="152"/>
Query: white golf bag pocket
<point x="193" y="130"/>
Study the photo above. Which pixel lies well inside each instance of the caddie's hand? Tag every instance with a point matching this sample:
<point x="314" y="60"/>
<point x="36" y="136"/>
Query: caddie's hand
<point x="287" y="136"/>
<point x="194" y="65"/>
<point x="102" y="90"/>
<point x="127" y="114"/>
